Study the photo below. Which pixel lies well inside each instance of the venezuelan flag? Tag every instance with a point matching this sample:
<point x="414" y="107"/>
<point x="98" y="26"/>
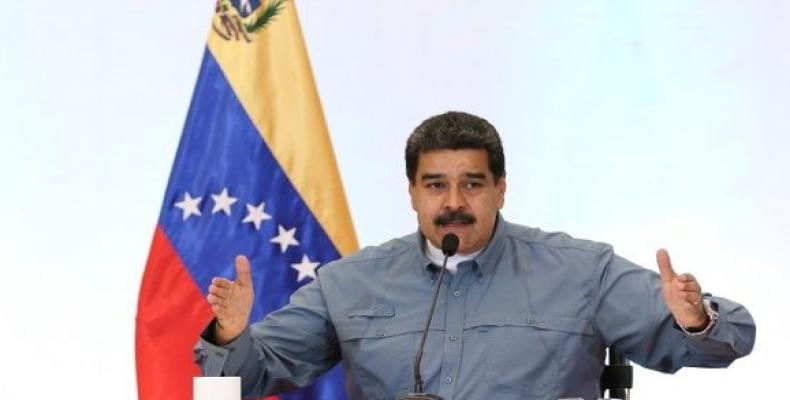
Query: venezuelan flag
<point x="254" y="174"/>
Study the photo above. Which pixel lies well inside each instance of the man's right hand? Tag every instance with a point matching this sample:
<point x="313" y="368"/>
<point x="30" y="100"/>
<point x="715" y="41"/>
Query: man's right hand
<point x="231" y="302"/>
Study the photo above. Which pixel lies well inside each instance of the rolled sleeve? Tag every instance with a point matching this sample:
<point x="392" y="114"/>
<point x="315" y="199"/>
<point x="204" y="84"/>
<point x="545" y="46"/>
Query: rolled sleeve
<point x="733" y="336"/>
<point x="227" y="360"/>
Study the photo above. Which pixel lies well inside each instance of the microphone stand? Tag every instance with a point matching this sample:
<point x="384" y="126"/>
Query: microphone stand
<point x="622" y="375"/>
<point x="449" y="247"/>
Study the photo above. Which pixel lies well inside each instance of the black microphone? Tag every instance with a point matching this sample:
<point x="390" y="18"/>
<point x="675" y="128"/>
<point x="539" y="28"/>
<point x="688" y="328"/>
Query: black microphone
<point x="449" y="247"/>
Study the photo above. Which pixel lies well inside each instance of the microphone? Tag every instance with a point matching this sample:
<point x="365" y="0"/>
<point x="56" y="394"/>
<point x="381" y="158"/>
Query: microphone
<point x="449" y="247"/>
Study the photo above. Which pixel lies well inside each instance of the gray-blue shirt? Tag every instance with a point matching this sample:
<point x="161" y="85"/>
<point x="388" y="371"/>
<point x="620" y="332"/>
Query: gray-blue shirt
<point x="528" y="318"/>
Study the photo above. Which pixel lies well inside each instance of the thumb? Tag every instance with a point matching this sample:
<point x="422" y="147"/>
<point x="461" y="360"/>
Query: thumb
<point x="665" y="266"/>
<point x="243" y="277"/>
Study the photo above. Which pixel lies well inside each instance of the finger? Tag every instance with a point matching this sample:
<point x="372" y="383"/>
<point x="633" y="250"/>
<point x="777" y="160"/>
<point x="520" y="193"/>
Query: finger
<point x="222" y="283"/>
<point x="243" y="276"/>
<point x="687" y="293"/>
<point x="220" y="313"/>
<point x="686" y="282"/>
<point x="692" y="299"/>
<point x="214" y="300"/>
<point x="693" y="287"/>
<point x="664" y="266"/>
<point x="686" y="277"/>
<point x="219" y="292"/>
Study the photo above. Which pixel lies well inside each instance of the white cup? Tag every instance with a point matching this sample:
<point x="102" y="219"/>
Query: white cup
<point x="216" y="388"/>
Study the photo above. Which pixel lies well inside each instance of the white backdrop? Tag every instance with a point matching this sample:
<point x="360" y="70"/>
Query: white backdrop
<point x="643" y="124"/>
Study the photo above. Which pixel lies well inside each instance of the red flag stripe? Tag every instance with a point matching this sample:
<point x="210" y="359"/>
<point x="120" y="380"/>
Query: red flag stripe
<point x="171" y="313"/>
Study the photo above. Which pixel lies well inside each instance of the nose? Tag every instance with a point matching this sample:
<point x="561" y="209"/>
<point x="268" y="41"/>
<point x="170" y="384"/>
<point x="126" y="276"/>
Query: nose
<point x="455" y="199"/>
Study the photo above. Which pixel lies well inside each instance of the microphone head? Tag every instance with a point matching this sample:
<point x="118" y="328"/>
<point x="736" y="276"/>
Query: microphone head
<point x="449" y="244"/>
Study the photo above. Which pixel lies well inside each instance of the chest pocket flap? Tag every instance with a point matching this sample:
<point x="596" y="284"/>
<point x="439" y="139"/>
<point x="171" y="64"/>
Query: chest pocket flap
<point x="375" y="321"/>
<point x="561" y="324"/>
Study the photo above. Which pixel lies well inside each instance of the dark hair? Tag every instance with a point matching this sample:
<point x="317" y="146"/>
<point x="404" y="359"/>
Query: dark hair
<point x="455" y="130"/>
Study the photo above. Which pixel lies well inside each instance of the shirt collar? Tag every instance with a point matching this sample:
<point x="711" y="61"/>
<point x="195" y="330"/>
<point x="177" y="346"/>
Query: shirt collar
<point x="435" y="254"/>
<point x="483" y="260"/>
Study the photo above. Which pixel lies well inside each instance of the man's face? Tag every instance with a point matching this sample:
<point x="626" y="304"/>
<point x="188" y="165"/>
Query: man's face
<point x="454" y="191"/>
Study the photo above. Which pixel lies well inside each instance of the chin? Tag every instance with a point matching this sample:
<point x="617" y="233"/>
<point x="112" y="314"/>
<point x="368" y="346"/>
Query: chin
<point x="466" y="249"/>
<point x="465" y="246"/>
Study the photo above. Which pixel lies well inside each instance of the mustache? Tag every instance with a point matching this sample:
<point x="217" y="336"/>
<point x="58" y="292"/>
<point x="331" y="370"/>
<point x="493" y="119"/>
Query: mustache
<point x="455" y="217"/>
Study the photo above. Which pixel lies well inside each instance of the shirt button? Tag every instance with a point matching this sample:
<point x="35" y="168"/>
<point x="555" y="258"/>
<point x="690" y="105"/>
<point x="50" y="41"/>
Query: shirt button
<point x="457" y="293"/>
<point x="453" y="338"/>
<point x="448" y="380"/>
<point x="380" y="332"/>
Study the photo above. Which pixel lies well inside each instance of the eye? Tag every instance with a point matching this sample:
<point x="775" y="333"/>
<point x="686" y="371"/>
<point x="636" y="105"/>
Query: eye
<point x="474" y="185"/>
<point x="435" y="185"/>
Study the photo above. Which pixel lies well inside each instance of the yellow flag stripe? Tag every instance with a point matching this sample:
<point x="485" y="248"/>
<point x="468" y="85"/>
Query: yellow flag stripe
<point x="272" y="79"/>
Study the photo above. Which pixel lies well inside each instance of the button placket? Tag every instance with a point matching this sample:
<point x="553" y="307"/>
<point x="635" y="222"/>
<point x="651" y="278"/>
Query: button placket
<point x="455" y="320"/>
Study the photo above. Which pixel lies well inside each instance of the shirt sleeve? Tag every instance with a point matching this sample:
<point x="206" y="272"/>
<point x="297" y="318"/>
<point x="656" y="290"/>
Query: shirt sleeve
<point x="288" y="349"/>
<point x="632" y="317"/>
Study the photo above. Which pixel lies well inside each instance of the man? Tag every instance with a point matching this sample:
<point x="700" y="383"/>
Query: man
<point x="523" y="313"/>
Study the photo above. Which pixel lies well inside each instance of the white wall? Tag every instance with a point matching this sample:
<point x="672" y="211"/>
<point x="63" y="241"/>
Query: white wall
<point x="643" y="124"/>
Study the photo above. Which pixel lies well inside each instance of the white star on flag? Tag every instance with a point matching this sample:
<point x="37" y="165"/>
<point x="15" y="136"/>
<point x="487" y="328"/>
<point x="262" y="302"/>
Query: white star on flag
<point x="256" y="215"/>
<point x="222" y="202"/>
<point x="305" y="268"/>
<point x="189" y="206"/>
<point x="285" y="238"/>
<point x="245" y="6"/>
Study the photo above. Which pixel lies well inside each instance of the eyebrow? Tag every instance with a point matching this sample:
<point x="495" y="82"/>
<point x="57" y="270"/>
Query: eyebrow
<point x="474" y="175"/>
<point x="429" y="176"/>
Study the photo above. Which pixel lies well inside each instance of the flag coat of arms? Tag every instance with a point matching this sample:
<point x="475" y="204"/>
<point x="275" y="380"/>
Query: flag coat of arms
<point x="254" y="174"/>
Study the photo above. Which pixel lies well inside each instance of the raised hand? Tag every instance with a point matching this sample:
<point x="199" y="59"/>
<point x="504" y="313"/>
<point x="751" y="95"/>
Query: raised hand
<point x="682" y="293"/>
<point x="231" y="302"/>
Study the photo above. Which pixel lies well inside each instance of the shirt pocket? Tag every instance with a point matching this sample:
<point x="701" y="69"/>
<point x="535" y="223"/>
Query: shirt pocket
<point x="524" y="353"/>
<point x="378" y="345"/>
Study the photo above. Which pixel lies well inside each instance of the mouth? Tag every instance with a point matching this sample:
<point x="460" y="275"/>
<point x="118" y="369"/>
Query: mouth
<point x="456" y="228"/>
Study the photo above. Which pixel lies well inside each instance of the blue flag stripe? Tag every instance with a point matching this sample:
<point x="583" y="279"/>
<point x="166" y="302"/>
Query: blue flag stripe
<point x="221" y="149"/>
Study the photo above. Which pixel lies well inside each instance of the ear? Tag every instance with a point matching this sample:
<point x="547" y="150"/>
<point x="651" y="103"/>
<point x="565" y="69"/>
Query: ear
<point x="412" y="188"/>
<point x="501" y="186"/>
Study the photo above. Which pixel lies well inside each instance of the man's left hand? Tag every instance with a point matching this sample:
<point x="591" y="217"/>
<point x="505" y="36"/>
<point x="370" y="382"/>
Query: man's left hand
<point x="683" y="295"/>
